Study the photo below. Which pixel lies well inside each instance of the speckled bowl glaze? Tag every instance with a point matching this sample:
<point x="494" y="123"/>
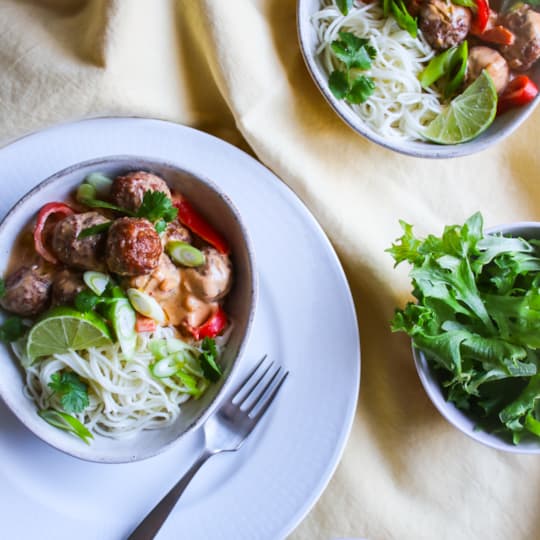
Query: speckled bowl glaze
<point x="216" y="207"/>
<point x="499" y="129"/>
<point x="459" y="419"/>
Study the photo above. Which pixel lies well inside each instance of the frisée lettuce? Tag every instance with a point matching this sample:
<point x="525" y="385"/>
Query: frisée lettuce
<point x="477" y="319"/>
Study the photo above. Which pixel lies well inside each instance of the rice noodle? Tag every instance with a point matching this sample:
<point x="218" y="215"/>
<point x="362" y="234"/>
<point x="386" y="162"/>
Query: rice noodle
<point x="124" y="397"/>
<point x="399" y="108"/>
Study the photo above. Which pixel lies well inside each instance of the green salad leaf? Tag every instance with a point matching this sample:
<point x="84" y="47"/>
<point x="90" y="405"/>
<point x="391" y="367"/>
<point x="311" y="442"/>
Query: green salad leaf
<point x="477" y="318"/>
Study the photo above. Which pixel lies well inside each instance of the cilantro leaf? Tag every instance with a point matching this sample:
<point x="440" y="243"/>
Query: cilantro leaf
<point x="86" y="300"/>
<point x="361" y="89"/>
<point x="356" y="54"/>
<point x="2" y="287"/>
<point x="12" y="329"/>
<point x="157" y="206"/>
<point x="207" y="360"/>
<point x="71" y="390"/>
<point x="353" y="51"/>
<point x="344" y="6"/>
<point x="160" y="226"/>
<point x="338" y="84"/>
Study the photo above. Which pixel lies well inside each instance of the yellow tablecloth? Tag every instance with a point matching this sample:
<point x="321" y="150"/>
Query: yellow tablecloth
<point x="234" y="69"/>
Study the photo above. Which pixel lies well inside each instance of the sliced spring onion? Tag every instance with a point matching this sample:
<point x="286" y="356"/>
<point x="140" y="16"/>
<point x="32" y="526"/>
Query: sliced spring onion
<point x="84" y="192"/>
<point x="189" y="382"/>
<point x="146" y="305"/>
<point x="165" y="367"/>
<point x="176" y="345"/>
<point x="96" y="281"/>
<point x="95" y="229"/>
<point x="66" y="422"/>
<point x="100" y="182"/>
<point x="123" y="319"/>
<point x="185" y="254"/>
<point x="158" y="347"/>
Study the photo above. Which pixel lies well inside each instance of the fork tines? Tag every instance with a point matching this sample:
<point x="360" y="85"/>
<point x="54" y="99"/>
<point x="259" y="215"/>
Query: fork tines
<point x="260" y="387"/>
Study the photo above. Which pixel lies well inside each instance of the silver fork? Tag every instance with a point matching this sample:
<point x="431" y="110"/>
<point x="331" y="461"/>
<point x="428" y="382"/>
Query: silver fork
<point x="224" y="431"/>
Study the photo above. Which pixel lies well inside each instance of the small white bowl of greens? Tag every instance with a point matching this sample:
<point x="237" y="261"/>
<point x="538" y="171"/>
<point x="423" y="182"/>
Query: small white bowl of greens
<point x="475" y="327"/>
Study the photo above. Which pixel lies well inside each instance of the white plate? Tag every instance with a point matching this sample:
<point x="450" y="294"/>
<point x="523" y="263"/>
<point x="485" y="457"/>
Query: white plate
<point x="305" y="320"/>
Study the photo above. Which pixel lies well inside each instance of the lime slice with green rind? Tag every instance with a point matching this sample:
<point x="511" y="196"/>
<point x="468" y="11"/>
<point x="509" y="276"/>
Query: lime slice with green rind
<point x="62" y="329"/>
<point x="467" y="115"/>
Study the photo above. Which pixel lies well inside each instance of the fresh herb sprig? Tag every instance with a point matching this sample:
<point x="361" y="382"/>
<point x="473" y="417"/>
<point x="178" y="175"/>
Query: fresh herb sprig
<point x="155" y="207"/>
<point x="12" y="329"/>
<point x="207" y="360"/>
<point x="71" y="390"/>
<point x="356" y="54"/>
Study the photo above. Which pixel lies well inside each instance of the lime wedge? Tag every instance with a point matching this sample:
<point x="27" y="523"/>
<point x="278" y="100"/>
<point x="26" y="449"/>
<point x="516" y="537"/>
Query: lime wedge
<point x="468" y="114"/>
<point x="62" y="329"/>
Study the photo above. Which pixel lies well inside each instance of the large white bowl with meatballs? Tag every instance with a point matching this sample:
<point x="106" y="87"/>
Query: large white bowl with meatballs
<point x="122" y="338"/>
<point x="391" y="69"/>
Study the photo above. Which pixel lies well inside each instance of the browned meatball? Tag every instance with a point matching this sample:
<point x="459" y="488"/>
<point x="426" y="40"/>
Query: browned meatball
<point x="525" y="25"/>
<point x="213" y="279"/>
<point x="443" y="24"/>
<point x="128" y="191"/>
<point x="84" y="253"/>
<point x="27" y="292"/>
<point x="481" y="58"/>
<point x="133" y="247"/>
<point x="175" y="232"/>
<point x="66" y="285"/>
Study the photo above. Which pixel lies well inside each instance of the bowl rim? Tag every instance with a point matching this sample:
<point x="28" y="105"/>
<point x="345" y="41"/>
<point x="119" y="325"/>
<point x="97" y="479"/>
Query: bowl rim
<point x="105" y="457"/>
<point x="419" y="149"/>
<point x="447" y="409"/>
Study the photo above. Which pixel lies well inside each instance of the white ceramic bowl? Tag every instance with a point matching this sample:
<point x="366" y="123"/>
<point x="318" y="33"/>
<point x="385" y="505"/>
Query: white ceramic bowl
<point x="240" y="304"/>
<point x="456" y="417"/>
<point x="501" y="127"/>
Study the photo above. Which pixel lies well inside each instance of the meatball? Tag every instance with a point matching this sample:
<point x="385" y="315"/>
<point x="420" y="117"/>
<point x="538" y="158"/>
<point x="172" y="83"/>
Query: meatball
<point x="175" y="232"/>
<point x="83" y="253"/>
<point x="27" y="292"/>
<point x="213" y="279"/>
<point x="66" y="285"/>
<point x="128" y="191"/>
<point x="443" y="24"/>
<point x="133" y="247"/>
<point x="481" y="58"/>
<point x="525" y="25"/>
<point x="161" y="283"/>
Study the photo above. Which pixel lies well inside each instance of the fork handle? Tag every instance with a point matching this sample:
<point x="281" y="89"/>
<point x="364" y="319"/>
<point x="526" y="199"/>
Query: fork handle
<point x="150" y="525"/>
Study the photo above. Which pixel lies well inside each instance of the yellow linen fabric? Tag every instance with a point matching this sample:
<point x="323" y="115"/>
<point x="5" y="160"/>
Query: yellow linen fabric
<point x="233" y="68"/>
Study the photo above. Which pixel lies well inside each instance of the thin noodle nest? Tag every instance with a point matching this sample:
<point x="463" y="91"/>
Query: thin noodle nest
<point x="399" y="107"/>
<point x="124" y="397"/>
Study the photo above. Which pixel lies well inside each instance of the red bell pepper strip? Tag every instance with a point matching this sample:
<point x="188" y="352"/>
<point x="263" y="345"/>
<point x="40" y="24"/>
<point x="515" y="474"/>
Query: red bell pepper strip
<point x="499" y="35"/>
<point x="213" y="326"/>
<point x="144" y="324"/>
<point x="48" y="210"/>
<point x="481" y="17"/>
<point x="519" y="91"/>
<point x="188" y="216"/>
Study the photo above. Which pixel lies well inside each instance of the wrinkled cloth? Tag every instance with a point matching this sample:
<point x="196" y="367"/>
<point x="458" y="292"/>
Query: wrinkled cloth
<point x="234" y="69"/>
